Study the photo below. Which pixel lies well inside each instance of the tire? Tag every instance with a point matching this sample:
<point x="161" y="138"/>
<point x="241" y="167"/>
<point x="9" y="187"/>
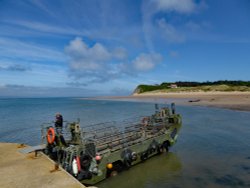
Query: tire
<point x="166" y="145"/>
<point x="113" y="173"/>
<point x="144" y="156"/>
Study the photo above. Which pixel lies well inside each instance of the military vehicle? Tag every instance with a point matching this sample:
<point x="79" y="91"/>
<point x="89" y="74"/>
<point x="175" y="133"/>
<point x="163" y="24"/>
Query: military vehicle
<point x="95" y="152"/>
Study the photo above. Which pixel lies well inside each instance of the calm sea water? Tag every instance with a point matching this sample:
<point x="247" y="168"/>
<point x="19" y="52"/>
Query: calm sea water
<point x="213" y="149"/>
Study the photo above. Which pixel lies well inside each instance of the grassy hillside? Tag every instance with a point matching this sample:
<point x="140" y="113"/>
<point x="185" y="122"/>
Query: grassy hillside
<point x="195" y="87"/>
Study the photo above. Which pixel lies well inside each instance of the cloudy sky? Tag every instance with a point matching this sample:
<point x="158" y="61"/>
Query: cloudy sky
<point x="108" y="47"/>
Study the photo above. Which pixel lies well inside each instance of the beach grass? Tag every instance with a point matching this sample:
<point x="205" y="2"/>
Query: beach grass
<point x="206" y="88"/>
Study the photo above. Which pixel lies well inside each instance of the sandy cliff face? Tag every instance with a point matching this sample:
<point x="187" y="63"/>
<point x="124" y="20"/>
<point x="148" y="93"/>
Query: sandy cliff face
<point x="136" y="91"/>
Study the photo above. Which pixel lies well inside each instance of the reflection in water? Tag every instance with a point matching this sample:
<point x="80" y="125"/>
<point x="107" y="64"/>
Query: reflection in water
<point x="162" y="168"/>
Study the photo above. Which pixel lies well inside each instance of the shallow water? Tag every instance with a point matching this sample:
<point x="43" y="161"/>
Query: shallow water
<point x="213" y="148"/>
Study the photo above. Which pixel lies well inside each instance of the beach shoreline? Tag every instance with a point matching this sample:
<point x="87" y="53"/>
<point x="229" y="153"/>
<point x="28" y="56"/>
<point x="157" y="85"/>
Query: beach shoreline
<point x="229" y="100"/>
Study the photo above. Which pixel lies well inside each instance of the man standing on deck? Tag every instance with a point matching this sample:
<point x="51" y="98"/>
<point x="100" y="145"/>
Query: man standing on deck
<point x="59" y="123"/>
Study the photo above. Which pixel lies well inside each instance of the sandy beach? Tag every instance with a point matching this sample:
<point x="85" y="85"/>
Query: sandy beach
<point x="229" y="100"/>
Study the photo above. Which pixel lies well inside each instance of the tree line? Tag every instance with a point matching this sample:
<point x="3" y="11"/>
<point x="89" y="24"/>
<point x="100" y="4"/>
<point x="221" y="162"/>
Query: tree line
<point x="208" y="83"/>
<point x="165" y="85"/>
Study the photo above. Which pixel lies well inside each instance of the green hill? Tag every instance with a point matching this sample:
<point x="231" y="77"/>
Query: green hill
<point x="195" y="86"/>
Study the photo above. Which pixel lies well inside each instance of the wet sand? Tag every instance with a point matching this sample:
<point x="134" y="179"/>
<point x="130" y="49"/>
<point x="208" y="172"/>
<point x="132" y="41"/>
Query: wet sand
<point x="228" y="100"/>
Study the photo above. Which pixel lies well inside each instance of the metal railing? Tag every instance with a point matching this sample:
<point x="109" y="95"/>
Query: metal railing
<point x="111" y="134"/>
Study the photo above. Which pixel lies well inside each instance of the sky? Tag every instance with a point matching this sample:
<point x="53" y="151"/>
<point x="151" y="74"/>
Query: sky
<point x="84" y="48"/>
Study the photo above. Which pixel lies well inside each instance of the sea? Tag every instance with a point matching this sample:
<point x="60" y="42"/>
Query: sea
<point x="213" y="147"/>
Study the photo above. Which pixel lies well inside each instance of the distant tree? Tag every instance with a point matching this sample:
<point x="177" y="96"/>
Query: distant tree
<point x="165" y="85"/>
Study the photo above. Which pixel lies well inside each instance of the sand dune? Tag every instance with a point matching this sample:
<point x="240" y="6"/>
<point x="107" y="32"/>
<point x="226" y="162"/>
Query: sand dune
<point x="230" y="100"/>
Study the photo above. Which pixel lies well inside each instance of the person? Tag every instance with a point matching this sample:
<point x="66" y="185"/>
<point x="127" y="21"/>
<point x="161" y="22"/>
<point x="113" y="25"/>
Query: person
<point x="173" y="108"/>
<point x="59" y="123"/>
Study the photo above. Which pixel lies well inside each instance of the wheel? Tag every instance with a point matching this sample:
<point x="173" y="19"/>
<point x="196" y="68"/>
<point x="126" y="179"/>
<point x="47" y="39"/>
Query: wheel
<point x="113" y="173"/>
<point x="160" y="149"/>
<point x="144" y="156"/>
<point x="165" y="145"/>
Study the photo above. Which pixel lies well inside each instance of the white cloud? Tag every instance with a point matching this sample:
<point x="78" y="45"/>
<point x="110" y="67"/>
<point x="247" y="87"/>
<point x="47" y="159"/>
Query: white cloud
<point x="169" y="32"/>
<point x="25" y="28"/>
<point x="36" y="74"/>
<point x="97" y="63"/>
<point x="15" y="90"/>
<point x="152" y="25"/>
<point x="146" y="62"/>
<point x="86" y="58"/>
<point x="120" y="53"/>
<point x="42" y="6"/>
<point x="48" y="28"/>
<point x="14" y="68"/>
<point x="181" y="6"/>
<point x="28" y="51"/>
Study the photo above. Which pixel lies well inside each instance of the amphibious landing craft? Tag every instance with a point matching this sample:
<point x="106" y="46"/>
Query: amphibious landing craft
<point x="96" y="152"/>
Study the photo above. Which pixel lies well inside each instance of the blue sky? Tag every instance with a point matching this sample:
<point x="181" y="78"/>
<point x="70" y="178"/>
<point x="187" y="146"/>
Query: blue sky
<point x="93" y="48"/>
